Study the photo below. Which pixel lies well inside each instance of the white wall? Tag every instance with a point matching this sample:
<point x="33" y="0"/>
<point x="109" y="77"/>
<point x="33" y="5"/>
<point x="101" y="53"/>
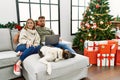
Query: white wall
<point x="65" y="19"/>
<point x="114" y="7"/>
<point x="8" y="11"/>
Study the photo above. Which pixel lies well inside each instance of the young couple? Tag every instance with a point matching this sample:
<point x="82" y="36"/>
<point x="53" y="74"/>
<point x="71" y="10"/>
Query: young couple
<point x="30" y="38"/>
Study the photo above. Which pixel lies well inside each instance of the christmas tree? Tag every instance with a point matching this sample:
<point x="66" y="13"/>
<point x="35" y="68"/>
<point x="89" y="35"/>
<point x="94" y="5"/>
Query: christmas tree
<point x="96" y="24"/>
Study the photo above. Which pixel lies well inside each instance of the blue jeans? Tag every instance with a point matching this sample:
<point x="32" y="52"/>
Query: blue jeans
<point x="26" y="51"/>
<point x="64" y="46"/>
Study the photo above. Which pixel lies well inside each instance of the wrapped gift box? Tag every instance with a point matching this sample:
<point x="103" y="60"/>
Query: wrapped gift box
<point x="101" y="59"/>
<point x="92" y="55"/>
<point x="96" y="43"/>
<point x="85" y="52"/>
<point x="93" y="45"/>
<point x="104" y="48"/>
<point x="86" y="43"/>
<point x="90" y="45"/>
<point x="92" y="48"/>
<point x="118" y="43"/>
<point x="117" y="58"/>
<point x="110" y="60"/>
<point x="113" y="46"/>
<point x="103" y="42"/>
<point x="105" y="59"/>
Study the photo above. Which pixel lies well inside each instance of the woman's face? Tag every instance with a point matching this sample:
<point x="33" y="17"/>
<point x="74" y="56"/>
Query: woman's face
<point x="30" y="24"/>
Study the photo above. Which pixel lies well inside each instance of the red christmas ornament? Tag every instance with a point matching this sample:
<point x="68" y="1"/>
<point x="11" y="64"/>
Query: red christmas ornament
<point x="87" y="25"/>
<point x="18" y="27"/>
<point x="97" y="6"/>
<point x="94" y="25"/>
<point x="81" y="40"/>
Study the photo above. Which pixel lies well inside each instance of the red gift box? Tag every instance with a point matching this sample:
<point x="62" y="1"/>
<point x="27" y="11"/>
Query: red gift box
<point x="114" y="45"/>
<point x="110" y="61"/>
<point x="117" y="58"/>
<point x="85" y="52"/>
<point x="118" y="43"/>
<point x="92" y="55"/>
<point x="104" y="48"/>
<point x="101" y="59"/>
<point x="96" y="45"/>
<point x="105" y="59"/>
<point x="90" y="46"/>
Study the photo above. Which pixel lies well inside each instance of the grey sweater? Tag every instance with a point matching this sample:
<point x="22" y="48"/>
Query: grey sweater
<point x="43" y="31"/>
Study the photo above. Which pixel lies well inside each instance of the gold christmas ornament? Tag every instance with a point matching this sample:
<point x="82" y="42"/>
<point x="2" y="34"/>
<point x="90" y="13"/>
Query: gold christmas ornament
<point x="89" y="34"/>
<point x="91" y="17"/>
<point x="91" y="12"/>
<point x="107" y="11"/>
<point x="82" y="27"/>
<point x="101" y="22"/>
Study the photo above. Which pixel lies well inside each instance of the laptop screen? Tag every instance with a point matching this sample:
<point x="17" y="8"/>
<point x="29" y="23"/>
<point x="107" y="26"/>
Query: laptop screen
<point x="51" y="39"/>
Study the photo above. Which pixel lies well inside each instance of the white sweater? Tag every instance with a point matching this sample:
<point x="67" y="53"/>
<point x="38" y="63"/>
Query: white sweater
<point x="29" y="37"/>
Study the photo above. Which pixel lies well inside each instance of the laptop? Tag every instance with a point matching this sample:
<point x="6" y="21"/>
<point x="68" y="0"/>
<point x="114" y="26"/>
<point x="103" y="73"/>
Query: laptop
<point x="51" y="39"/>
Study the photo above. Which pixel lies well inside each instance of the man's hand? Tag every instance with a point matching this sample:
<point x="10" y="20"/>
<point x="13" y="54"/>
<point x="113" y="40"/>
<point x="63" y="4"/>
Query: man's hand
<point x="60" y="39"/>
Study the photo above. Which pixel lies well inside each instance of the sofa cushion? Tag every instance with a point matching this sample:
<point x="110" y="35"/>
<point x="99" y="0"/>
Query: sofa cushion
<point x="8" y="58"/>
<point x="5" y="40"/>
<point x="63" y="67"/>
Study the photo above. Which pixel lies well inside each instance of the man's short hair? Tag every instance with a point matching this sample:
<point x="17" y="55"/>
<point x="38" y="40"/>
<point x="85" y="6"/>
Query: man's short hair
<point x="41" y="17"/>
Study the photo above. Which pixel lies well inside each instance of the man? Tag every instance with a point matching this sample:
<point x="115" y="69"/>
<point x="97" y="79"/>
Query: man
<point x="43" y="31"/>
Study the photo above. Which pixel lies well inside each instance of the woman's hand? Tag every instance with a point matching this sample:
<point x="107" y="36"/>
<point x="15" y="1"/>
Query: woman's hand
<point x="28" y="45"/>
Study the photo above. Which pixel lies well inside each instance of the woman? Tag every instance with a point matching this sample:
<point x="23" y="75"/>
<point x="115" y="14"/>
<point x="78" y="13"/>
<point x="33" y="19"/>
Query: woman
<point x="29" y="41"/>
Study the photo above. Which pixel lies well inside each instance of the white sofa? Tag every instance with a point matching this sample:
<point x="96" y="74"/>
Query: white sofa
<point x="71" y="69"/>
<point x="7" y="55"/>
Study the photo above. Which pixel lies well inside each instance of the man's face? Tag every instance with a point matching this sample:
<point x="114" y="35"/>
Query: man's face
<point x="41" y="22"/>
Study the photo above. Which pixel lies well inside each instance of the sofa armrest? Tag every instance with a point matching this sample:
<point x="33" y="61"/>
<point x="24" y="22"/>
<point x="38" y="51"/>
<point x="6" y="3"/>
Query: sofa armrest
<point x="67" y="43"/>
<point x="63" y="41"/>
